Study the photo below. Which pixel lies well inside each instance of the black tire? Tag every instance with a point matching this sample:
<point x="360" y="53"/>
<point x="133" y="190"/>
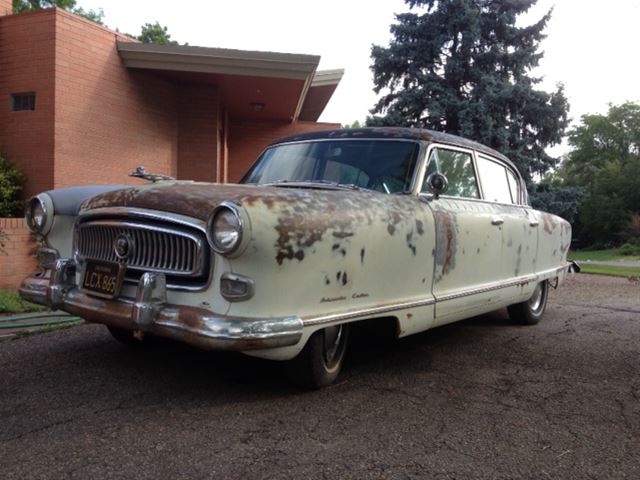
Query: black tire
<point x="125" y="337"/>
<point x="320" y="362"/>
<point x="531" y="311"/>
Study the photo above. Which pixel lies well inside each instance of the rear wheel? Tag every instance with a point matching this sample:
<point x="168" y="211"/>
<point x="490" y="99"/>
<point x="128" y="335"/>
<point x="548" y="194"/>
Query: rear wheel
<point x="531" y="311"/>
<point x="319" y="363"/>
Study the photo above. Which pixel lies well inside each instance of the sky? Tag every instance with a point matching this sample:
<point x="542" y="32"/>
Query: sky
<point x="590" y="45"/>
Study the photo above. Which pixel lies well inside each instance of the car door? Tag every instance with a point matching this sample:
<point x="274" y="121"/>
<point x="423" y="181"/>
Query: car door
<point x="501" y="187"/>
<point x="468" y="237"/>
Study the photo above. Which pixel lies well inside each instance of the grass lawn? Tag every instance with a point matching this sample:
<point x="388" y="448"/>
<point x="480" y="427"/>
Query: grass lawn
<point x="10" y="302"/>
<point x="611" y="254"/>
<point x="609" y="270"/>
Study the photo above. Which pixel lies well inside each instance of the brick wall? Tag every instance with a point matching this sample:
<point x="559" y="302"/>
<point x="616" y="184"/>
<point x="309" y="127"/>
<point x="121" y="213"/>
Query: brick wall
<point x="5" y="7"/>
<point x="198" y="133"/>
<point x="248" y="138"/>
<point x="109" y="119"/>
<point x="19" y="247"/>
<point x="27" y="65"/>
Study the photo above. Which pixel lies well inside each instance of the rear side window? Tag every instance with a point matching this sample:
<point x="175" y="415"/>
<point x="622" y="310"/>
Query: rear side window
<point x="457" y="166"/>
<point x="494" y="180"/>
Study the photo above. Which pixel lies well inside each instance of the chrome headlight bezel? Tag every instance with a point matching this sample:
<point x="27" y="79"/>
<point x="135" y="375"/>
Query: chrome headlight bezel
<point x="38" y="214"/>
<point x="237" y="215"/>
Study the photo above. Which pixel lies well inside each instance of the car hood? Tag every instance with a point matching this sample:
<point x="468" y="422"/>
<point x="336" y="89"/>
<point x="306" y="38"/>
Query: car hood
<point x="197" y="200"/>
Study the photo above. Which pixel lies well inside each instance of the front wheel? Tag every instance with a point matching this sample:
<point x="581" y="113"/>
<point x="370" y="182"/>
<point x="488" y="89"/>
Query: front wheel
<point x="531" y="311"/>
<point x="319" y="363"/>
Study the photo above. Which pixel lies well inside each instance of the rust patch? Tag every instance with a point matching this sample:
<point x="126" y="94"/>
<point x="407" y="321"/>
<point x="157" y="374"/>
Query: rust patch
<point x="362" y="255"/>
<point x="549" y="222"/>
<point x="420" y="227"/>
<point x="301" y="217"/>
<point x="410" y="243"/>
<point x="344" y="278"/>
<point x="393" y="220"/>
<point x="446" y="240"/>
<point x="342" y="234"/>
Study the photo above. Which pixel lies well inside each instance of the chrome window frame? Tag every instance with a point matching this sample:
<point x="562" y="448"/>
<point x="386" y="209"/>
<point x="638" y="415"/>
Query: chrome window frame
<point x="522" y="196"/>
<point x="423" y="170"/>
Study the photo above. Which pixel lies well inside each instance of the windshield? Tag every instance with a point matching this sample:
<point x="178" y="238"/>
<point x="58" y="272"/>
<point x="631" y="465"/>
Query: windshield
<point x="382" y="165"/>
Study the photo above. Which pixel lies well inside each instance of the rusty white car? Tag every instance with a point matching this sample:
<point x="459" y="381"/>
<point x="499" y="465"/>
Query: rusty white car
<point x="325" y="229"/>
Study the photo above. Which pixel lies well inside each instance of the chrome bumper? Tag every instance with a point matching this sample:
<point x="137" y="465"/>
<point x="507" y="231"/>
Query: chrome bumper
<point x="151" y="313"/>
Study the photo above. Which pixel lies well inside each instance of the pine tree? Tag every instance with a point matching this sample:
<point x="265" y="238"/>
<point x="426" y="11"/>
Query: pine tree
<point x="464" y="67"/>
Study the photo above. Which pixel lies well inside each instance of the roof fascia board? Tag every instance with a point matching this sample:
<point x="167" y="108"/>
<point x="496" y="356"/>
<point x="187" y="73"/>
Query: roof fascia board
<point x="326" y="78"/>
<point x="215" y="60"/>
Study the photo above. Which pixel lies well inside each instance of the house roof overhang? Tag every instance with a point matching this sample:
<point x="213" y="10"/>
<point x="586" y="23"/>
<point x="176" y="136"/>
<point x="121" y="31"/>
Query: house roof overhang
<point x="251" y="84"/>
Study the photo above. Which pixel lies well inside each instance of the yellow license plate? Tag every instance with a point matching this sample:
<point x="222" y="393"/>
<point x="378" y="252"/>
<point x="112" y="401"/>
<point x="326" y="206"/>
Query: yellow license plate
<point x="103" y="279"/>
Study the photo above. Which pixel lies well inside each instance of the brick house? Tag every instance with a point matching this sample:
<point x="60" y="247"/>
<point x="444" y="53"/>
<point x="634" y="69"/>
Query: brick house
<point x="80" y="103"/>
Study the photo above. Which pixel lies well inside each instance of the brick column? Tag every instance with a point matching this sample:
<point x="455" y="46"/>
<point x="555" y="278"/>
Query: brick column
<point x="5" y="7"/>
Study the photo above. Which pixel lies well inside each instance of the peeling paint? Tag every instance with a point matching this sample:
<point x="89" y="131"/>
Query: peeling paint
<point x="446" y="240"/>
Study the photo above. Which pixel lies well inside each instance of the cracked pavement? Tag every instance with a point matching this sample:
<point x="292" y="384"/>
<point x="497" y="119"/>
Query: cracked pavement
<point x="477" y="399"/>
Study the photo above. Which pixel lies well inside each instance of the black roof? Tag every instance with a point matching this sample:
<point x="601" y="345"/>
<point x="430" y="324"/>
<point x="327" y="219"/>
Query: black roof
<point x="419" y="134"/>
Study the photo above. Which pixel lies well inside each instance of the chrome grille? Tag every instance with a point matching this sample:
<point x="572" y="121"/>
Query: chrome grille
<point x="158" y="248"/>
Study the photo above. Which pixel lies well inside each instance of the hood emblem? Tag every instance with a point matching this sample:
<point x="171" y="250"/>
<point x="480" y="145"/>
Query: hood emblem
<point x="140" y="172"/>
<point x="123" y="246"/>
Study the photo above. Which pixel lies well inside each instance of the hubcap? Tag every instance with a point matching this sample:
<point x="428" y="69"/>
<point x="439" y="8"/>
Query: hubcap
<point x="332" y="340"/>
<point x="535" y="302"/>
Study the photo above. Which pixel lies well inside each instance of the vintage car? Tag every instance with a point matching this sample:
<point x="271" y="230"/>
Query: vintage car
<point x="325" y="229"/>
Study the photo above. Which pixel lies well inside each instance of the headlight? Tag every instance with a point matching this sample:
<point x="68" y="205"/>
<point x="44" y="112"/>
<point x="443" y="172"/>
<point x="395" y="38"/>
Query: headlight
<point x="36" y="215"/>
<point x="225" y="229"/>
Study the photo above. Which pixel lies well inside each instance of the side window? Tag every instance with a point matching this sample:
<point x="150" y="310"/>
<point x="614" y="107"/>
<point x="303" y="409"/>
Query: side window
<point x="495" y="184"/>
<point x="513" y="185"/>
<point x="458" y="168"/>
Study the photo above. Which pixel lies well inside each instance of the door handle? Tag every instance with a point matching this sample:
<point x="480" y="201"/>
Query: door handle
<point x="534" y="223"/>
<point x="497" y="221"/>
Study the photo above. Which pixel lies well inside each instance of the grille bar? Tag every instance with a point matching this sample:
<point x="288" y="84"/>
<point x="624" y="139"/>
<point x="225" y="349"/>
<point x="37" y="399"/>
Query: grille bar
<point x="167" y="249"/>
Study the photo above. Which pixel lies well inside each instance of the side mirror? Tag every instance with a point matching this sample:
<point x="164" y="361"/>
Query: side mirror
<point x="437" y="184"/>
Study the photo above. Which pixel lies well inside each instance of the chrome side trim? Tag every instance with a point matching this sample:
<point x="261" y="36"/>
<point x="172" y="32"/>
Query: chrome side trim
<point x="523" y="280"/>
<point x="365" y="312"/>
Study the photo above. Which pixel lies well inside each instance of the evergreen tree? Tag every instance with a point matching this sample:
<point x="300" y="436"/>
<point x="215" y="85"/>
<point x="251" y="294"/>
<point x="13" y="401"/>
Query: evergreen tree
<point x="464" y="67"/>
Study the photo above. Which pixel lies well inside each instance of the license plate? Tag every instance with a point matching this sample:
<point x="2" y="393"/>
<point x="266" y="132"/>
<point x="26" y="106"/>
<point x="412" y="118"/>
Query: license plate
<point x="103" y="279"/>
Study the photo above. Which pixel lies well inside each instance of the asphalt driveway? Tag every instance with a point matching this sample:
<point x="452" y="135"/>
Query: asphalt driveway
<point x="478" y="399"/>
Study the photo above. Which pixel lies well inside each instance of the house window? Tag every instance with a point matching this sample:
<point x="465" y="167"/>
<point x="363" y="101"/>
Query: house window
<point x="23" y="101"/>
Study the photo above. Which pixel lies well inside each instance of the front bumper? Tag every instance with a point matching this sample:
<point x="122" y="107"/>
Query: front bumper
<point x="151" y="313"/>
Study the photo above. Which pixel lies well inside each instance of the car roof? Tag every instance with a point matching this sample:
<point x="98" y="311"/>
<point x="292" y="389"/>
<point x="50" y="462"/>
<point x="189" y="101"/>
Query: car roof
<point x="419" y="134"/>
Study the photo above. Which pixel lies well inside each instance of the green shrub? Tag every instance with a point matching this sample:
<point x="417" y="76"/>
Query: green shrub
<point x="11" y="180"/>
<point x="630" y="249"/>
